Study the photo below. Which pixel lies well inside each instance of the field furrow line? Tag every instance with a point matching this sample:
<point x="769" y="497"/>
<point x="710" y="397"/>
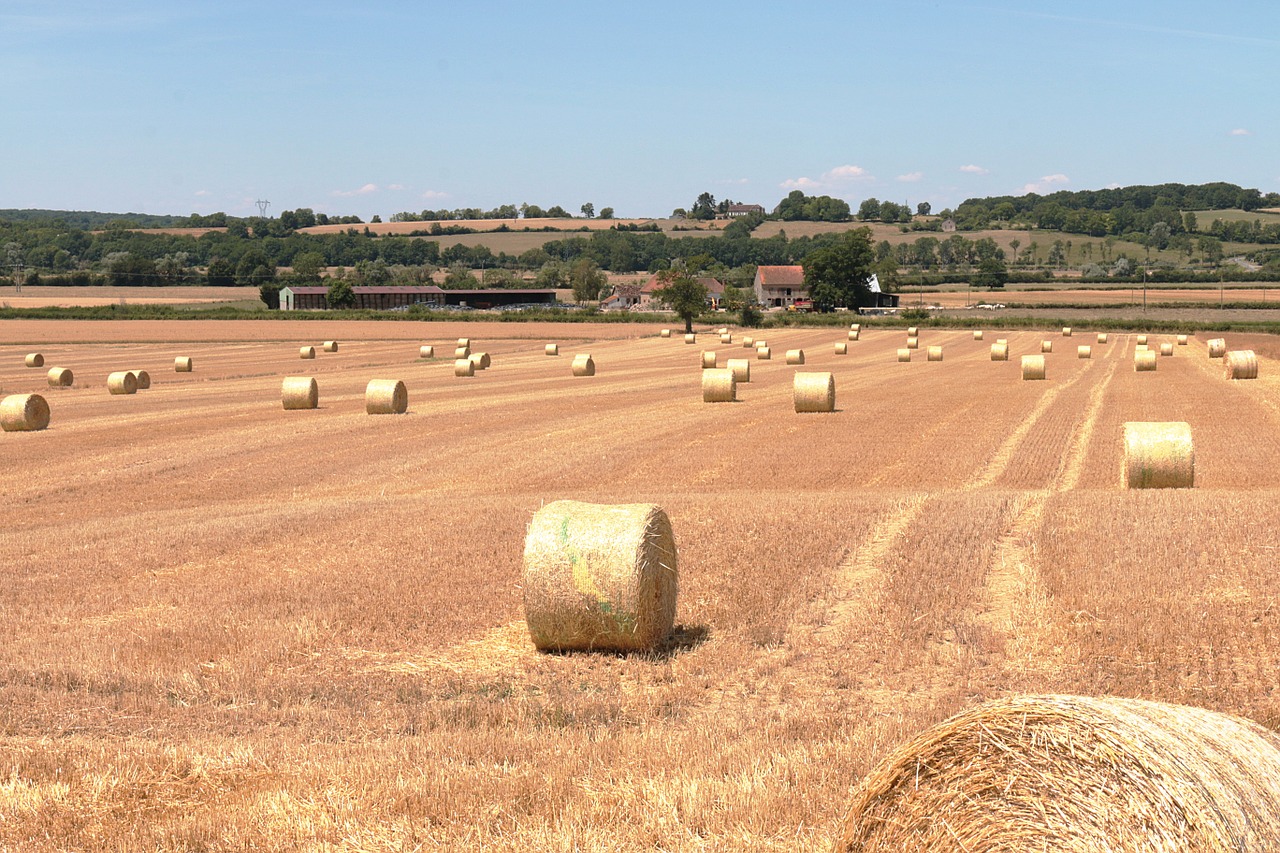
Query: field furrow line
<point x="1077" y="454"/>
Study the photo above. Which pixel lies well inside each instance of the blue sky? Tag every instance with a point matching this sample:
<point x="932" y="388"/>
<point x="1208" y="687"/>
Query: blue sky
<point x="379" y="107"/>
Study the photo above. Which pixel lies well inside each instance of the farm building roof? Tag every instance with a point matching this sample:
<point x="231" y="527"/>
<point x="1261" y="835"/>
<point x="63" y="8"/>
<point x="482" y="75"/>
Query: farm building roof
<point x="781" y="276"/>
<point x="711" y="284"/>
<point x="320" y="291"/>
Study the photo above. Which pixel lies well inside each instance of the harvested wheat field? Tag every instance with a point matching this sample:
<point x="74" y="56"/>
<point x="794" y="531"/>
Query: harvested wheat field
<point x="229" y="625"/>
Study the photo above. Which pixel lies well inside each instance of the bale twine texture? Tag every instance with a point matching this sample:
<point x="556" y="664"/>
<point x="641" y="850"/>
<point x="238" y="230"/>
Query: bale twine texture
<point x="60" y="377"/>
<point x="330" y="346"/>
<point x="691" y="338"/>
<point x="904" y="354"/>
<point x="142" y="378"/>
<point x="842" y="348"/>
<point x="1033" y="367"/>
<point x="709" y="359"/>
<point x="1142" y="340"/>
<point x="726" y="338"/>
<point x="665" y="333"/>
<point x="1217" y="348"/>
<point x="299" y="392"/>
<point x="599" y="577"/>
<point x="913" y="331"/>
<point x="464" y="367"/>
<point x="481" y="360"/>
<point x="461" y="352"/>
<point x="1240" y="364"/>
<point x="1066" y="331"/>
<point x="183" y="364"/>
<point x="551" y="349"/>
<point x="1102" y="337"/>
<point x="1166" y="349"/>
<point x="854" y="334"/>
<point x="1158" y="455"/>
<point x="307" y="352"/>
<point x="814" y="392"/>
<point x="122" y="382"/>
<point x="913" y="343"/>
<point x="764" y="353"/>
<point x="934" y="354"/>
<point x="999" y="352"/>
<point x="1182" y="340"/>
<point x="1084" y="352"/>
<point x="426" y="352"/>
<point x="583" y="365"/>
<point x="24" y="413"/>
<point x="1046" y="346"/>
<point x="719" y="386"/>
<point x="1074" y="774"/>
<point x="741" y="368"/>
<point x="977" y="334"/>
<point x="386" y="397"/>
<point x="795" y="356"/>
<point x="34" y="359"/>
<point x="1144" y="361"/>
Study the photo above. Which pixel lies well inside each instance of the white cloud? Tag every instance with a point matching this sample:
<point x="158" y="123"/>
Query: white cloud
<point x="1113" y="186"/>
<point x="1045" y="184"/>
<point x="435" y="194"/>
<point x="734" y="181"/>
<point x="974" y="170"/>
<point x="1240" y="131"/>
<point x="829" y="179"/>
<point x="395" y="186"/>
<point x="202" y="193"/>
<point x="845" y="173"/>
<point x="364" y="190"/>
<point x="911" y="177"/>
<point x="799" y="184"/>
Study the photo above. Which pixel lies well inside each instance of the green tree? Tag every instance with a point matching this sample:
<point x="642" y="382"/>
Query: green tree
<point x="558" y="212"/>
<point x="552" y="276"/>
<point x="683" y="294"/>
<point x="307" y="266"/>
<point x="606" y="213"/>
<point x="586" y="279"/>
<point x="588" y="210"/>
<point x="222" y="273"/>
<point x="837" y="275"/>
<point x="869" y="209"/>
<point x="704" y="207"/>
<point x="886" y="271"/>
<point x="373" y="273"/>
<point x="341" y="295"/>
<point x="923" y="208"/>
<point x="991" y="273"/>
<point x="460" y="277"/>
<point x="1189" y="222"/>
<point x="254" y="268"/>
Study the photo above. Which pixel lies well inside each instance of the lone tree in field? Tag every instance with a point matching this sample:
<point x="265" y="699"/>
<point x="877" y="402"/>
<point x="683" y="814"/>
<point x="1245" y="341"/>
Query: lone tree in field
<point x="683" y="294"/>
<point x="837" y="276"/>
<point x="341" y="295"/>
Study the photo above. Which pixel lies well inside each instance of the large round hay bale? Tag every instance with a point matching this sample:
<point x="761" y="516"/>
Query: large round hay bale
<point x="934" y="354"/>
<point x="1084" y="352"/>
<point x="551" y="349"/>
<point x="299" y="392"/>
<point x="690" y="338"/>
<point x="1076" y="774"/>
<point x="1240" y="364"/>
<point x="34" y="359"/>
<point x="999" y="352"/>
<point x="464" y="367"/>
<point x="904" y="354"/>
<point x="726" y="338"/>
<point x="307" y="352"/>
<point x="1066" y="331"/>
<point x="853" y="334"/>
<point x="665" y="333"/>
<point x="709" y="359"/>
<point x="481" y="360"/>
<point x="1102" y="337"/>
<point x="463" y="342"/>
<point x="24" y="413"/>
<point x="814" y="392"/>
<point x="1144" y="361"/>
<point x="913" y="343"/>
<point x="142" y="378"/>
<point x="1182" y="340"/>
<point x="1217" y="347"/>
<point x="1142" y="340"/>
<point x="60" y="377"/>
<point x="1046" y="346"/>
<point x="913" y="331"/>
<point x="122" y="382"/>
<point x="741" y="368"/>
<point x="426" y="352"/>
<point x="599" y="577"/>
<point x="1033" y="367"/>
<point x="386" y="397"/>
<point x="977" y="334"/>
<point x="795" y="356"/>
<point x="461" y="352"/>
<point x="719" y="386"/>
<point x="764" y="353"/>
<point x="583" y="365"/>
<point x="330" y="346"/>
<point x="1166" y="349"/>
<point x="183" y="364"/>
<point x="748" y="342"/>
<point x="1158" y="455"/>
<point x="842" y="348"/>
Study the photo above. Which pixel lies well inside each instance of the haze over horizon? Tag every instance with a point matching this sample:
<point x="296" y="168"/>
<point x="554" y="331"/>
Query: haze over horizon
<point x="159" y="108"/>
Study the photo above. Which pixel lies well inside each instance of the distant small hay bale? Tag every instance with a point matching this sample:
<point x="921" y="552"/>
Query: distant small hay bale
<point x="1240" y="364"/>
<point x="307" y="352"/>
<point x="1084" y="352"/>
<point x="142" y="378"/>
<point x="764" y="353"/>
<point x="24" y="413"/>
<point x="1033" y="367"/>
<point x="1141" y="348"/>
<point x="842" y="348"/>
<point x="122" y="382"/>
<point x="723" y="330"/>
<point x="462" y="352"/>
<point x="1066" y="331"/>
<point x="904" y="354"/>
<point x="481" y="360"/>
<point x="977" y="334"/>
<point x="1102" y="337"/>
<point x="1166" y="349"/>
<point x="183" y="364"/>
<point x="1144" y="361"/>
<point x="463" y="342"/>
<point x="814" y="392"/>
<point x="1217" y="348"/>
<point x="855" y="327"/>
<point x="35" y="359"/>
<point x="464" y="367"/>
<point x="1003" y="341"/>
<point x="426" y="352"/>
<point x="748" y="342"/>
<point x="299" y="392"/>
<point x="1142" y="340"/>
<point x="1182" y="340"/>
<point x="386" y="397"/>
<point x="330" y="346"/>
<point x="583" y="365"/>
<point x="1046" y="346"/>
<point x="665" y="333"/>
<point x="60" y="377"/>
<point x="1158" y="455"/>
<point x="999" y="352"/>
<point x="913" y="331"/>
<point x="726" y="338"/>
<point x="599" y="577"/>
<point x="551" y="349"/>
<point x="1073" y="773"/>
<point x="913" y="343"/>
<point x="761" y="342"/>
<point x="934" y="354"/>
<point x="719" y="386"/>
<point x="853" y="334"/>
<point x="795" y="356"/>
<point x="690" y="338"/>
<point x="741" y="368"/>
<point x="709" y="359"/>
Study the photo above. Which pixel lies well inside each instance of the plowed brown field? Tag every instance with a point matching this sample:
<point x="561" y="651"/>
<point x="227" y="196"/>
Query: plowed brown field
<point x="227" y="626"/>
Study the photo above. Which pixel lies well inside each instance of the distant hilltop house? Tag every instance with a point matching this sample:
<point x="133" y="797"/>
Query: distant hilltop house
<point x="737" y="210"/>
<point x="783" y="287"/>
<point x="315" y="298"/>
<point x="948" y="225"/>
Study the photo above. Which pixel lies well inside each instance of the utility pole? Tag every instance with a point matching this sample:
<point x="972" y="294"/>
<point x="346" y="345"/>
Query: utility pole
<point x="262" y="207"/>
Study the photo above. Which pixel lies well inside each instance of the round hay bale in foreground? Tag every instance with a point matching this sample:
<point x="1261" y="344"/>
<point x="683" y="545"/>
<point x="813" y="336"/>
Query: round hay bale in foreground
<point x="853" y="334"/>
<point x="913" y="343"/>
<point x="1046" y="346"/>
<point x="386" y="397"/>
<point x="1102" y="337"/>
<point x="183" y="364"/>
<point x="1084" y="352"/>
<point x="482" y="360"/>
<point x="34" y="359"/>
<point x="1033" y="367"/>
<point x="709" y="359"/>
<point x="330" y="346"/>
<point x="904" y="354"/>
<point x="690" y="338"/>
<point x="719" y="386"/>
<point x="142" y="378"/>
<point x="842" y="348"/>
<point x="464" y="367"/>
<point x="599" y="577"/>
<point x="426" y="352"/>
<point x="299" y="392"/>
<point x="999" y="352"/>
<point x="1073" y="773"/>
<point x="1166" y="349"/>
<point x="1182" y="340"/>
<point x="122" y="382"/>
<point x="1158" y="455"/>
<point x="726" y="338"/>
<point x="748" y="343"/>
<point x="795" y="356"/>
<point x="764" y="354"/>
<point x="665" y="333"/>
<point x="934" y="354"/>
<point x="1217" y="348"/>
<point x="741" y="368"/>
<point x="60" y="377"/>
<point x="24" y="413"/>
<point x="583" y="365"/>
<point x="1144" y="361"/>
<point x="1240" y="364"/>
<point x="461" y="352"/>
<point x="1066" y="331"/>
<point x="977" y="334"/>
<point x="307" y="352"/>
<point x="913" y="331"/>
<point x="814" y="392"/>
<point x="1142" y="340"/>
